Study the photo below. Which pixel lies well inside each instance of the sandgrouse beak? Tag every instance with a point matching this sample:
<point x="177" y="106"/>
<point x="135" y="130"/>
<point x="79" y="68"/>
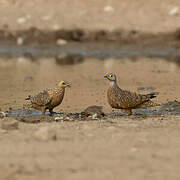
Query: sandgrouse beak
<point x="68" y="85"/>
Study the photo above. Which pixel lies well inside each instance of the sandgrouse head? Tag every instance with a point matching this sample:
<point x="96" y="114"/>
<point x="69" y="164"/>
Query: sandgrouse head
<point x="111" y="77"/>
<point x="63" y="84"/>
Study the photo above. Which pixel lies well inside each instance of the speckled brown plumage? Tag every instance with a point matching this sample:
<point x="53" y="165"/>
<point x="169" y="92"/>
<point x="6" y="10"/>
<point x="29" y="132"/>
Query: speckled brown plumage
<point x="49" y="98"/>
<point x="122" y="99"/>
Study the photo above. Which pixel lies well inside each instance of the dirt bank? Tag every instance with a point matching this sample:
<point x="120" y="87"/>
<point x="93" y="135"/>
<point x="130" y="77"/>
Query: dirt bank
<point x="91" y="15"/>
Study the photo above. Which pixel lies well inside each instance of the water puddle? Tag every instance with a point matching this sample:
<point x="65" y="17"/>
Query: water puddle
<point x="26" y="115"/>
<point x="86" y="50"/>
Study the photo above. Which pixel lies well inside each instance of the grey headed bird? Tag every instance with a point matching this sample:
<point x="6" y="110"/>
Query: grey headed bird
<point x="126" y="100"/>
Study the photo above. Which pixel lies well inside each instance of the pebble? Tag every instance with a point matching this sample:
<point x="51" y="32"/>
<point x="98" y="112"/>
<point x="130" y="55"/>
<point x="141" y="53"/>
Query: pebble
<point x="2" y="114"/>
<point x="59" y="118"/>
<point x="28" y="78"/>
<point x="9" y="123"/>
<point x="61" y="42"/>
<point x="95" y="116"/>
<point x="67" y="118"/>
<point x="21" y="20"/>
<point x="108" y="9"/>
<point x="20" y="41"/>
<point x="174" y="11"/>
<point x="46" y="133"/>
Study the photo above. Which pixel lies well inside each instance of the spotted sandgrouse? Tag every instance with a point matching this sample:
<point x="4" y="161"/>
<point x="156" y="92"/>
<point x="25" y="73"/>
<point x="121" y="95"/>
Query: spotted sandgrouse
<point x="122" y="99"/>
<point x="49" y="98"/>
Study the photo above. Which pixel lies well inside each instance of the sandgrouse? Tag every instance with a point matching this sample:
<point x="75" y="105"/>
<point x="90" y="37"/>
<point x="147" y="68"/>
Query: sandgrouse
<point x="49" y="98"/>
<point x="122" y="99"/>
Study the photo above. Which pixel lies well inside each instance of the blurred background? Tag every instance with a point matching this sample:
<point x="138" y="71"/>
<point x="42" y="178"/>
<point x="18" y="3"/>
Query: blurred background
<point x="44" y="41"/>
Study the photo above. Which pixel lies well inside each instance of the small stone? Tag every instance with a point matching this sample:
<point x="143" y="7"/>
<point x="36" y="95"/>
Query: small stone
<point x="59" y="118"/>
<point x="108" y="9"/>
<point x="67" y="118"/>
<point x="174" y="11"/>
<point x="21" y="20"/>
<point x="61" y="42"/>
<point x="9" y="123"/>
<point x="46" y="133"/>
<point x="20" y="41"/>
<point x="95" y="116"/>
<point x="92" y="110"/>
<point x="2" y="115"/>
<point x="28" y="78"/>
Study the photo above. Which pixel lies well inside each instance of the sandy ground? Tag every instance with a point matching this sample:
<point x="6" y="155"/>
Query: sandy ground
<point x="126" y="147"/>
<point x="94" y="15"/>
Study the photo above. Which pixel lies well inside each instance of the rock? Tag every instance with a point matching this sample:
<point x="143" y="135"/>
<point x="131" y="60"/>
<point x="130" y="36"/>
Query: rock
<point x="21" y="20"/>
<point x="61" y="42"/>
<point x="94" y="111"/>
<point x="108" y="9"/>
<point x="59" y="118"/>
<point x="2" y="114"/>
<point x="94" y="116"/>
<point x="67" y="118"/>
<point x="20" y="41"/>
<point x="28" y="78"/>
<point x="46" y="133"/>
<point x="9" y="123"/>
<point x="174" y="11"/>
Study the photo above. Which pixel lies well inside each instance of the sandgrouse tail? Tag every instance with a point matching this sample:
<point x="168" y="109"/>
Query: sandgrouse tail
<point x="122" y="99"/>
<point x="49" y="98"/>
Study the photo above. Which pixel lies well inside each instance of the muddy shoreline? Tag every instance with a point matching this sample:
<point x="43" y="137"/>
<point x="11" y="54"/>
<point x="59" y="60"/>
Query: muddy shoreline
<point x="43" y="37"/>
<point x="119" y="43"/>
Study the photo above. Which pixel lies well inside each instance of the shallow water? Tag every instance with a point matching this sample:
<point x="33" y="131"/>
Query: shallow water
<point x="148" y="112"/>
<point x="85" y="51"/>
